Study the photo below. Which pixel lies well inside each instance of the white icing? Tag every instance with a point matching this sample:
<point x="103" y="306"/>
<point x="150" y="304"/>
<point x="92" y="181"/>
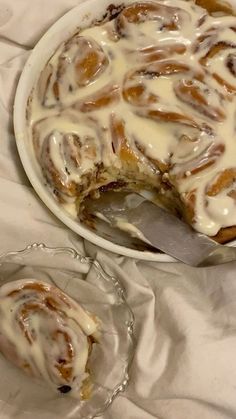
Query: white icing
<point x="214" y="124"/>
<point x="125" y="225"/>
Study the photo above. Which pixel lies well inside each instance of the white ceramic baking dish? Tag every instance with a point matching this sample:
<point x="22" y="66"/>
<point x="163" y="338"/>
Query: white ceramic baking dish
<point x="79" y="17"/>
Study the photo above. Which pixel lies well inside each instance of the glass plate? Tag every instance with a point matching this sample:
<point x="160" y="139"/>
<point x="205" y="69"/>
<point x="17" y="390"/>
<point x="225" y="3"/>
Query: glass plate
<point x="102" y="294"/>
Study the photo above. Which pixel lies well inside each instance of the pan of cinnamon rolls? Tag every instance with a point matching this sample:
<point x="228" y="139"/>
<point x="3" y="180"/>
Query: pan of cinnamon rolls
<point x="141" y="96"/>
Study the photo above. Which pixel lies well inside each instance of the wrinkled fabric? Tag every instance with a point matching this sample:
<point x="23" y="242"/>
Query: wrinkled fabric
<point x="184" y="365"/>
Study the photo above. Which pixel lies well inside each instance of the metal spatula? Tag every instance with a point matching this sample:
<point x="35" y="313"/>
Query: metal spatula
<point x="157" y="227"/>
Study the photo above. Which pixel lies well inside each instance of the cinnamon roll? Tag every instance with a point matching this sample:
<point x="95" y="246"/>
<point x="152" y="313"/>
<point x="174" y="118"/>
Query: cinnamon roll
<point x="47" y="334"/>
<point x="78" y="64"/>
<point x="144" y="100"/>
<point x="169" y="18"/>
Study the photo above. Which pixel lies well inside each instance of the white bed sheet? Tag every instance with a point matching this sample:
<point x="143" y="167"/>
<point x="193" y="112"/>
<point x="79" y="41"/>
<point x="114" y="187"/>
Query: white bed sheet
<point x="184" y="366"/>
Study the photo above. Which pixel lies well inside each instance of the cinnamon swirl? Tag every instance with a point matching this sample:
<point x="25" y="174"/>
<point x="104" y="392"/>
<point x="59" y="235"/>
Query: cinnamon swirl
<point x="145" y="100"/>
<point x="47" y="334"/>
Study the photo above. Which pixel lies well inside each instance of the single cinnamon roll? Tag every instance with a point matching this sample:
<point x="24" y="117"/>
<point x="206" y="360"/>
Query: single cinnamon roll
<point x="78" y="63"/>
<point x="68" y="156"/>
<point x="47" y="334"/>
<point x="170" y="18"/>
